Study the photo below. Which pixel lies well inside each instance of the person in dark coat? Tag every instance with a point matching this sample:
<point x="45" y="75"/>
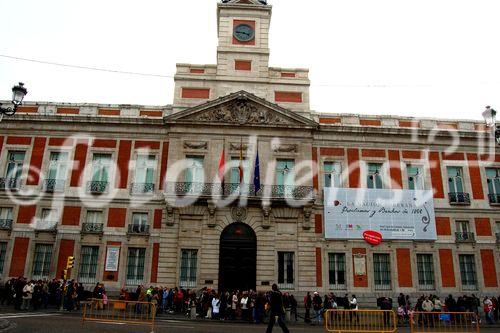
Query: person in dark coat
<point x="276" y="310"/>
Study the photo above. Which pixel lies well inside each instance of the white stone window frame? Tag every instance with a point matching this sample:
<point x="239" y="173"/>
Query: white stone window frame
<point x="89" y="167"/>
<point x="384" y="171"/>
<point x="344" y="171"/>
<point x="133" y="165"/>
<point x="69" y="163"/>
<point x="179" y="266"/>
<point x="5" y="157"/>
<point x="445" y="164"/>
<point x="422" y="167"/>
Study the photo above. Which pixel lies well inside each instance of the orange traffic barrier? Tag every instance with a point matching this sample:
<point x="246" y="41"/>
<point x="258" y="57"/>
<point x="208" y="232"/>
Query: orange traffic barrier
<point x="444" y="322"/>
<point x="360" y="321"/>
<point x="135" y="313"/>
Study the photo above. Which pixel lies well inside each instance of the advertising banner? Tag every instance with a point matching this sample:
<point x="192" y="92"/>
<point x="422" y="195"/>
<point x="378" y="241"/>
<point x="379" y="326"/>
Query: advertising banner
<point x="395" y="214"/>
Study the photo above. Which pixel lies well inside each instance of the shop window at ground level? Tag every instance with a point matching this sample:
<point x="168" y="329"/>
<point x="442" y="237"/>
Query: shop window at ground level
<point x="468" y="271"/>
<point x="382" y="271"/>
<point x="286" y="270"/>
<point x="189" y="262"/>
<point x="42" y="261"/>
<point x="88" y="264"/>
<point x="135" y="266"/>
<point x="336" y="270"/>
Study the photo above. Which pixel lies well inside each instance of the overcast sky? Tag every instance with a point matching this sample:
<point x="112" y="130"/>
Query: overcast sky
<point x="426" y="58"/>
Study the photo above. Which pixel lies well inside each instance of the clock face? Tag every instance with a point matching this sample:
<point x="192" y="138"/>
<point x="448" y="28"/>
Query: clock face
<point x="244" y="33"/>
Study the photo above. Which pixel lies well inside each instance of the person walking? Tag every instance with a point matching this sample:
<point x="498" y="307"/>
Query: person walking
<point x="307" y="306"/>
<point x="276" y="310"/>
<point x="317" y="307"/>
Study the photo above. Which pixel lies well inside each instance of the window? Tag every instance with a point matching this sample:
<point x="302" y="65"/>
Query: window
<point x="462" y="226"/>
<point x="382" y="271"/>
<point x="58" y="165"/>
<point x="144" y="174"/>
<point x="13" y="170"/>
<point x="333" y="174"/>
<point x="139" y="222"/>
<point x="3" y="251"/>
<point x="235" y="171"/>
<point x="468" y="271"/>
<point x="42" y="261"/>
<point x="94" y="217"/>
<point x="374" y="179"/>
<point x="88" y="264"/>
<point x="15" y="161"/>
<point x="336" y="270"/>
<point x="135" y="266"/>
<point x="498" y="227"/>
<point x="101" y="165"/>
<point x="493" y="180"/>
<point x="5" y="213"/>
<point x="189" y="261"/>
<point x="285" y="270"/>
<point x="48" y="219"/>
<point x="425" y="269"/>
<point x="455" y="179"/>
<point x="5" y="218"/>
<point x="195" y="172"/>
<point x="285" y="178"/>
<point x="415" y="177"/>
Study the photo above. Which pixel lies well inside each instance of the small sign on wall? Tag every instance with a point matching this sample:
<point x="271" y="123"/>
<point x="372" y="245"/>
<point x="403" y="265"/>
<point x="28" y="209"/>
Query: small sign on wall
<point x="359" y="264"/>
<point x="112" y="259"/>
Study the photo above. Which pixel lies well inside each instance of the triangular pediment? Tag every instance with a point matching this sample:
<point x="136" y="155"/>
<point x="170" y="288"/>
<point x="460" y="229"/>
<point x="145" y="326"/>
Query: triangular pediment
<point x="241" y="109"/>
<point x="245" y="2"/>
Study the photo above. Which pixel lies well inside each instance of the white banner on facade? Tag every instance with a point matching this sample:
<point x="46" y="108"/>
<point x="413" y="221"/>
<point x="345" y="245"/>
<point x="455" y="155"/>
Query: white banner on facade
<point x="112" y="258"/>
<point x="396" y="214"/>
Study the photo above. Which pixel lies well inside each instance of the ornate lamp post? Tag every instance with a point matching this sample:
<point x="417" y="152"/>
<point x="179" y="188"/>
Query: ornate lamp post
<point x="18" y="94"/>
<point x="489" y="116"/>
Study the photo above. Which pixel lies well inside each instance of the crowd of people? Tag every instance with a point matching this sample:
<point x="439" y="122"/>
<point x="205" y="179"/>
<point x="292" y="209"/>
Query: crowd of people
<point x="432" y="303"/>
<point x="250" y="306"/>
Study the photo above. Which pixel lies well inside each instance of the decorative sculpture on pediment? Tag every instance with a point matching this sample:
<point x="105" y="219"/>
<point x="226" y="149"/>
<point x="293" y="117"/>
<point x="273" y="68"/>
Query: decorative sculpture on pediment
<point x="241" y="112"/>
<point x="285" y="148"/>
<point x="195" y="145"/>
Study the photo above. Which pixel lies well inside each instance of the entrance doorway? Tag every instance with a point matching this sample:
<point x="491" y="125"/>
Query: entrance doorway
<point x="238" y="258"/>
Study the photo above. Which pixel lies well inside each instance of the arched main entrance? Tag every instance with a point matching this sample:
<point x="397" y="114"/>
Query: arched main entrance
<point x="238" y="258"/>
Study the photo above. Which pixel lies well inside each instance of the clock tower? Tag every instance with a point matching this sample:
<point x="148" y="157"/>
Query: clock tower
<point x="242" y="63"/>
<point x="243" y="31"/>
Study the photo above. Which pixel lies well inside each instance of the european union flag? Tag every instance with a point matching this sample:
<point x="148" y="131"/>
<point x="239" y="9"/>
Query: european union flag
<point x="256" y="174"/>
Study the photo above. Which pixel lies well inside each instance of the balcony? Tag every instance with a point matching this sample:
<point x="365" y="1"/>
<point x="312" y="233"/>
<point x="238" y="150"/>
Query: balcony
<point x="10" y="183"/>
<point x="494" y="199"/>
<point x="458" y="198"/>
<point x="93" y="228"/>
<point x="46" y="226"/>
<point x="243" y="190"/>
<point x="6" y="224"/>
<point x="138" y="229"/>
<point x="94" y="187"/>
<point x="54" y="185"/>
<point x="465" y="237"/>
<point x="142" y="188"/>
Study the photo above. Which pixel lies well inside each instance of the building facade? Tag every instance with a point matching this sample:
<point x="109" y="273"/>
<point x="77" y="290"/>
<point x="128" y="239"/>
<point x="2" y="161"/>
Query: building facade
<point x="136" y="195"/>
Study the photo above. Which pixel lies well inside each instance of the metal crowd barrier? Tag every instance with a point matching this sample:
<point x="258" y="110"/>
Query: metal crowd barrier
<point x="360" y="321"/>
<point x="444" y="322"/>
<point x="135" y="313"/>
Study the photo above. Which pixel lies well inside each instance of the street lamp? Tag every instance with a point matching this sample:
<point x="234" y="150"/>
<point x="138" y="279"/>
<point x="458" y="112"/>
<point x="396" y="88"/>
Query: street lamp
<point x="489" y="116"/>
<point x="18" y="94"/>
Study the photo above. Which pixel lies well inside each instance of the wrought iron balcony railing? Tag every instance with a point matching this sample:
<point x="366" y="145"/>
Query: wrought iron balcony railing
<point x="6" y="224"/>
<point x="10" y="183"/>
<point x="494" y="199"/>
<point x="244" y="190"/>
<point x="46" y="226"/>
<point x="54" y="185"/>
<point x="97" y="187"/>
<point x="142" y="188"/>
<point x="458" y="198"/>
<point x="138" y="229"/>
<point x="92" y="228"/>
<point x="465" y="237"/>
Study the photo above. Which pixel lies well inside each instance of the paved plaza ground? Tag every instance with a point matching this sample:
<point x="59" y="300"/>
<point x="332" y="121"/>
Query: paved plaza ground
<point x="55" y="322"/>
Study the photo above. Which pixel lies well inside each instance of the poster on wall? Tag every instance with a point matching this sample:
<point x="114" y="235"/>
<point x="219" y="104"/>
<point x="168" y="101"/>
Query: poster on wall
<point x="112" y="258"/>
<point x="395" y="214"/>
